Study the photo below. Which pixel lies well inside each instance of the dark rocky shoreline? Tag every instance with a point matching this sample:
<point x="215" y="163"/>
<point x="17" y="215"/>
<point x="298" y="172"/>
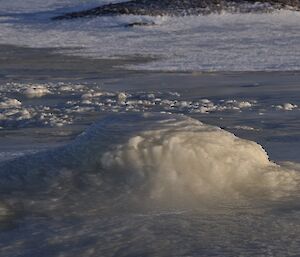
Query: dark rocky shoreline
<point x="183" y="7"/>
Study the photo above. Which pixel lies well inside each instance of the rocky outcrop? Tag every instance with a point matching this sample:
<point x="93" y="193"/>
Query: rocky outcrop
<point x="183" y="7"/>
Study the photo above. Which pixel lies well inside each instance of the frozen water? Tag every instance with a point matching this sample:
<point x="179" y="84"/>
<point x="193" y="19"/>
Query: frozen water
<point x="168" y="179"/>
<point x="149" y="180"/>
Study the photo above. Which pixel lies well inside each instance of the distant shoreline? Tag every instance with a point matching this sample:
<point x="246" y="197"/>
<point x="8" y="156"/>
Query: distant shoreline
<point x="182" y="8"/>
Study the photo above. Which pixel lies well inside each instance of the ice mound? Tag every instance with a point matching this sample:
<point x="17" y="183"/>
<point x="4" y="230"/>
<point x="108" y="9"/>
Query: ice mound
<point x="9" y="103"/>
<point x="286" y="107"/>
<point x="158" y="157"/>
<point x="36" y="91"/>
<point x="183" y="158"/>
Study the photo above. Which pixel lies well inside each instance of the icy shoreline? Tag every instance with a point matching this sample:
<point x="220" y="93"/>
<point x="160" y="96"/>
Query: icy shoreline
<point x="213" y="43"/>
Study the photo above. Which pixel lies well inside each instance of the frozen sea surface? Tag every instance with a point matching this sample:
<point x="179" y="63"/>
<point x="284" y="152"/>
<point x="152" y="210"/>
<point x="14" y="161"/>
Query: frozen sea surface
<point x="104" y="161"/>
